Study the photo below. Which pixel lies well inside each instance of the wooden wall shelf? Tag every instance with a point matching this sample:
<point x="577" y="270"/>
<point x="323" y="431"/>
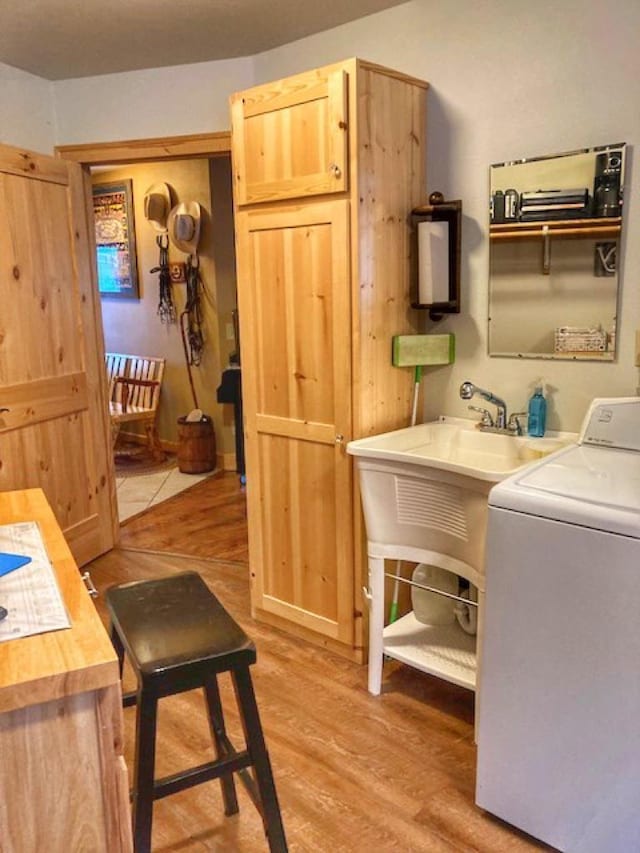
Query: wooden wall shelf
<point x="594" y="229"/>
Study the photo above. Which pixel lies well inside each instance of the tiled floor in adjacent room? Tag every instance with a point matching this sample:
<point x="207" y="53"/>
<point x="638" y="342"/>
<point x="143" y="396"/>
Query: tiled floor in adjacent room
<point x="136" y="494"/>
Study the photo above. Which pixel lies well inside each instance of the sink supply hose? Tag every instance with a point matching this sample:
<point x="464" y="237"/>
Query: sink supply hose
<point x="417" y="378"/>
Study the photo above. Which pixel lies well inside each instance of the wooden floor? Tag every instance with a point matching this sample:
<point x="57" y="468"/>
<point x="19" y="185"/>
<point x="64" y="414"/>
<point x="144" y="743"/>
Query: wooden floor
<point x="354" y="772"/>
<point x="209" y="520"/>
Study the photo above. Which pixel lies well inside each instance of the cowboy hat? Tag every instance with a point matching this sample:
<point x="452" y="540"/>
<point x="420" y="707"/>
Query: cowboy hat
<point x="157" y="204"/>
<point x="184" y="226"/>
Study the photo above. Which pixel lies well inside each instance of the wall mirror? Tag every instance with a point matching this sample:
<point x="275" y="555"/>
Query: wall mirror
<point x="555" y="226"/>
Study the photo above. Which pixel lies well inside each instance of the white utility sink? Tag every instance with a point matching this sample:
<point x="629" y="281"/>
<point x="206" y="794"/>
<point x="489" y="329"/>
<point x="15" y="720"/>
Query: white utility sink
<point x="458" y="445"/>
<point x="424" y="494"/>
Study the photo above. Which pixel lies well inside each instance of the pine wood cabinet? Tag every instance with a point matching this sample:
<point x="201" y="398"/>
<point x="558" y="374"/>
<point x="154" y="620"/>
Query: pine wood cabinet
<point x="63" y="780"/>
<point x="327" y="167"/>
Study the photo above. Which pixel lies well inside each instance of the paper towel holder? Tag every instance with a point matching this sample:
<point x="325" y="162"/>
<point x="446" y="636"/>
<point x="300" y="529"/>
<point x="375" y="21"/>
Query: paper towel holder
<point x="435" y="256"/>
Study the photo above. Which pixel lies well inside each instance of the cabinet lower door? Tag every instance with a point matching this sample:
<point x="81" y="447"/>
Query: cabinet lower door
<point x="295" y="317"/>
<point x="63" y="781"/>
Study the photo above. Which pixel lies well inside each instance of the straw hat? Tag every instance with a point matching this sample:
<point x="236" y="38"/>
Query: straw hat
<point x="157" y="204"/>
<point x="184" y="226"/>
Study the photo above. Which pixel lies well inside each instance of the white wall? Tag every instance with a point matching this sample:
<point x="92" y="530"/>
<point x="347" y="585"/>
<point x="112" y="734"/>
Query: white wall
<point x="508" y="80"/>
<point x="170" y="101"/>
<point x="26" y="110"/>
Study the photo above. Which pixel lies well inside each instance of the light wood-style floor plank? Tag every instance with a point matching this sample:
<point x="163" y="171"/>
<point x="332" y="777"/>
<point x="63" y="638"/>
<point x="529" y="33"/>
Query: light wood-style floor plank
<point x="208" y="520"/>
<point x="355" y="773"/>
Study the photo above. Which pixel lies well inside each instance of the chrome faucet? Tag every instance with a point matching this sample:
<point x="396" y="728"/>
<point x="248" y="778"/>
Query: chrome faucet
<point x="468" y="390"/>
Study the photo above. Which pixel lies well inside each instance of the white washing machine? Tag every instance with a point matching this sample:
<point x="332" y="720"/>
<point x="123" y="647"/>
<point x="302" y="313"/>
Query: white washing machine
<point x="559" y="697"/>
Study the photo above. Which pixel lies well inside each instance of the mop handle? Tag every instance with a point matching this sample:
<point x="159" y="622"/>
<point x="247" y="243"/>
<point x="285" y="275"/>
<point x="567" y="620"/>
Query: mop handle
<point x="417" y="377"/>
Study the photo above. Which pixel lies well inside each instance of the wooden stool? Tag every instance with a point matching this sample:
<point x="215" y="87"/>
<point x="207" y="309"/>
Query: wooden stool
<point x="177" y="637"/>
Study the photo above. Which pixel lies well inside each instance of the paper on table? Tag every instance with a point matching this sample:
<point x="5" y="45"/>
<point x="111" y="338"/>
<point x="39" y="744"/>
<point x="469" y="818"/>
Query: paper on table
<point x="30" y="593"/>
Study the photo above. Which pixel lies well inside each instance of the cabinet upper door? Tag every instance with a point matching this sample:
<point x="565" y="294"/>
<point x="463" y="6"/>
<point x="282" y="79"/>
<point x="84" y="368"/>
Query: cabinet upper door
<point x="290" y="138"/>
<point x="54" y="422"/>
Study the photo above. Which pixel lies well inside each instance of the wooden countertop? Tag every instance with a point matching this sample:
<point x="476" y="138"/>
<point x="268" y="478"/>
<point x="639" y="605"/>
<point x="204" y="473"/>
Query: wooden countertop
<point x="59" y="663"/>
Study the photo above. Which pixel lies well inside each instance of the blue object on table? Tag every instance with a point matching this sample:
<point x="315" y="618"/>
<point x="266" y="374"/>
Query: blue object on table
<point x="10" y="562"/>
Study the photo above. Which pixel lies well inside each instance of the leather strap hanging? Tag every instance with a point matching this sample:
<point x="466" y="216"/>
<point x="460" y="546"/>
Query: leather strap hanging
<point x="191" y="322"/>
<point x="166" y="308"/>
<point x="193" y="312"/>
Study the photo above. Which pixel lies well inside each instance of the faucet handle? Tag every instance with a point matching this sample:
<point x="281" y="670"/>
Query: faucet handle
<point x="487" y="420"/>
<point x="514" y="424"/>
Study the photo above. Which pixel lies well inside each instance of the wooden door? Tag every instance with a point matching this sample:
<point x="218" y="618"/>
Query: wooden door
<point x="54" y="429"/>
<point x="294" y="301"/>
<point x="290" y="138"/>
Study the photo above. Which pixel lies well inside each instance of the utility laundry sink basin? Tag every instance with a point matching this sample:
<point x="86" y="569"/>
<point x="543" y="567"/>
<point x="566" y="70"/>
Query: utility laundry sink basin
<point x="425" y="487"/>
<point x="459" y="446"/>
<point x="424" y="495"/>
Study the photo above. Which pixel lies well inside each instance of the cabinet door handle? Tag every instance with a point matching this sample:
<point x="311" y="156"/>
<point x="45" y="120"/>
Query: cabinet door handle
<point x="337" y="171"/>
<point x="339" y="438"/>
<point x="4" y="409"/>
<point x="91" y="589"/>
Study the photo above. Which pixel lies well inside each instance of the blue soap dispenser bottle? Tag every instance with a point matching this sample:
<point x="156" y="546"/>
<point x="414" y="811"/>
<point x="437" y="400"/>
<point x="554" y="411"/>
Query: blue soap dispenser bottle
<point x="537" y="413"/>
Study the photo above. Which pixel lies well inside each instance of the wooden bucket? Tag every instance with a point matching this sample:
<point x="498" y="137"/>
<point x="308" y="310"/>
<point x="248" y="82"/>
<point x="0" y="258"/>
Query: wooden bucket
<point x="196" y="446"/>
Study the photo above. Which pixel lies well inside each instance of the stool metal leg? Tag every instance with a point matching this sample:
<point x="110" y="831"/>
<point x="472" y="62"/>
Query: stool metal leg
<point x="219" y="735"/>
<point x="146" y="719"/>
<point x="252" y="728"/>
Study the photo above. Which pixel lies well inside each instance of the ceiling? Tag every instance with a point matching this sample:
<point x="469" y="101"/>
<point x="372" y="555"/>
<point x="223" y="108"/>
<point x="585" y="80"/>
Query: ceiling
<point x="62" y="39"/>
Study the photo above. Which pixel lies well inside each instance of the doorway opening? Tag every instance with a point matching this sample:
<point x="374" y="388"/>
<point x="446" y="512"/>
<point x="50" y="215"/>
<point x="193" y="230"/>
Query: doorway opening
<point x="195" y="169"/>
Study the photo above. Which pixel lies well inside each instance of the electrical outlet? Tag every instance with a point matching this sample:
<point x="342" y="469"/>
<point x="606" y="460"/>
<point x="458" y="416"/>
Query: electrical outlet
<point x="637" y="359"/>
<point x="229" y="332"/>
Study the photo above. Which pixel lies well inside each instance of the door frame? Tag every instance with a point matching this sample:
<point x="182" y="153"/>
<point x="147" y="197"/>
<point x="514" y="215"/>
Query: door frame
<point x="144" y="150"/>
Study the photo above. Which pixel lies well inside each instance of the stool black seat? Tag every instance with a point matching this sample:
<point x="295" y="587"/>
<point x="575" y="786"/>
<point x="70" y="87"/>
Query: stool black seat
<point x="177" y="636"/>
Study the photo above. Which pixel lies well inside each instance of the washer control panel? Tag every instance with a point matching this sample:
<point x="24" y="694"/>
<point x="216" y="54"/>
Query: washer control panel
<point x="613" y="422"/>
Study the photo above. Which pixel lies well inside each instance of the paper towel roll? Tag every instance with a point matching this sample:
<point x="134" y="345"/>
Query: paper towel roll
<point x="433" y="262"/>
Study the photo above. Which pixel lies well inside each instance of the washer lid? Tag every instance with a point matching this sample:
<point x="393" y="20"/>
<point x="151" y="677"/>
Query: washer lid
<point x="595" y="487"/>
